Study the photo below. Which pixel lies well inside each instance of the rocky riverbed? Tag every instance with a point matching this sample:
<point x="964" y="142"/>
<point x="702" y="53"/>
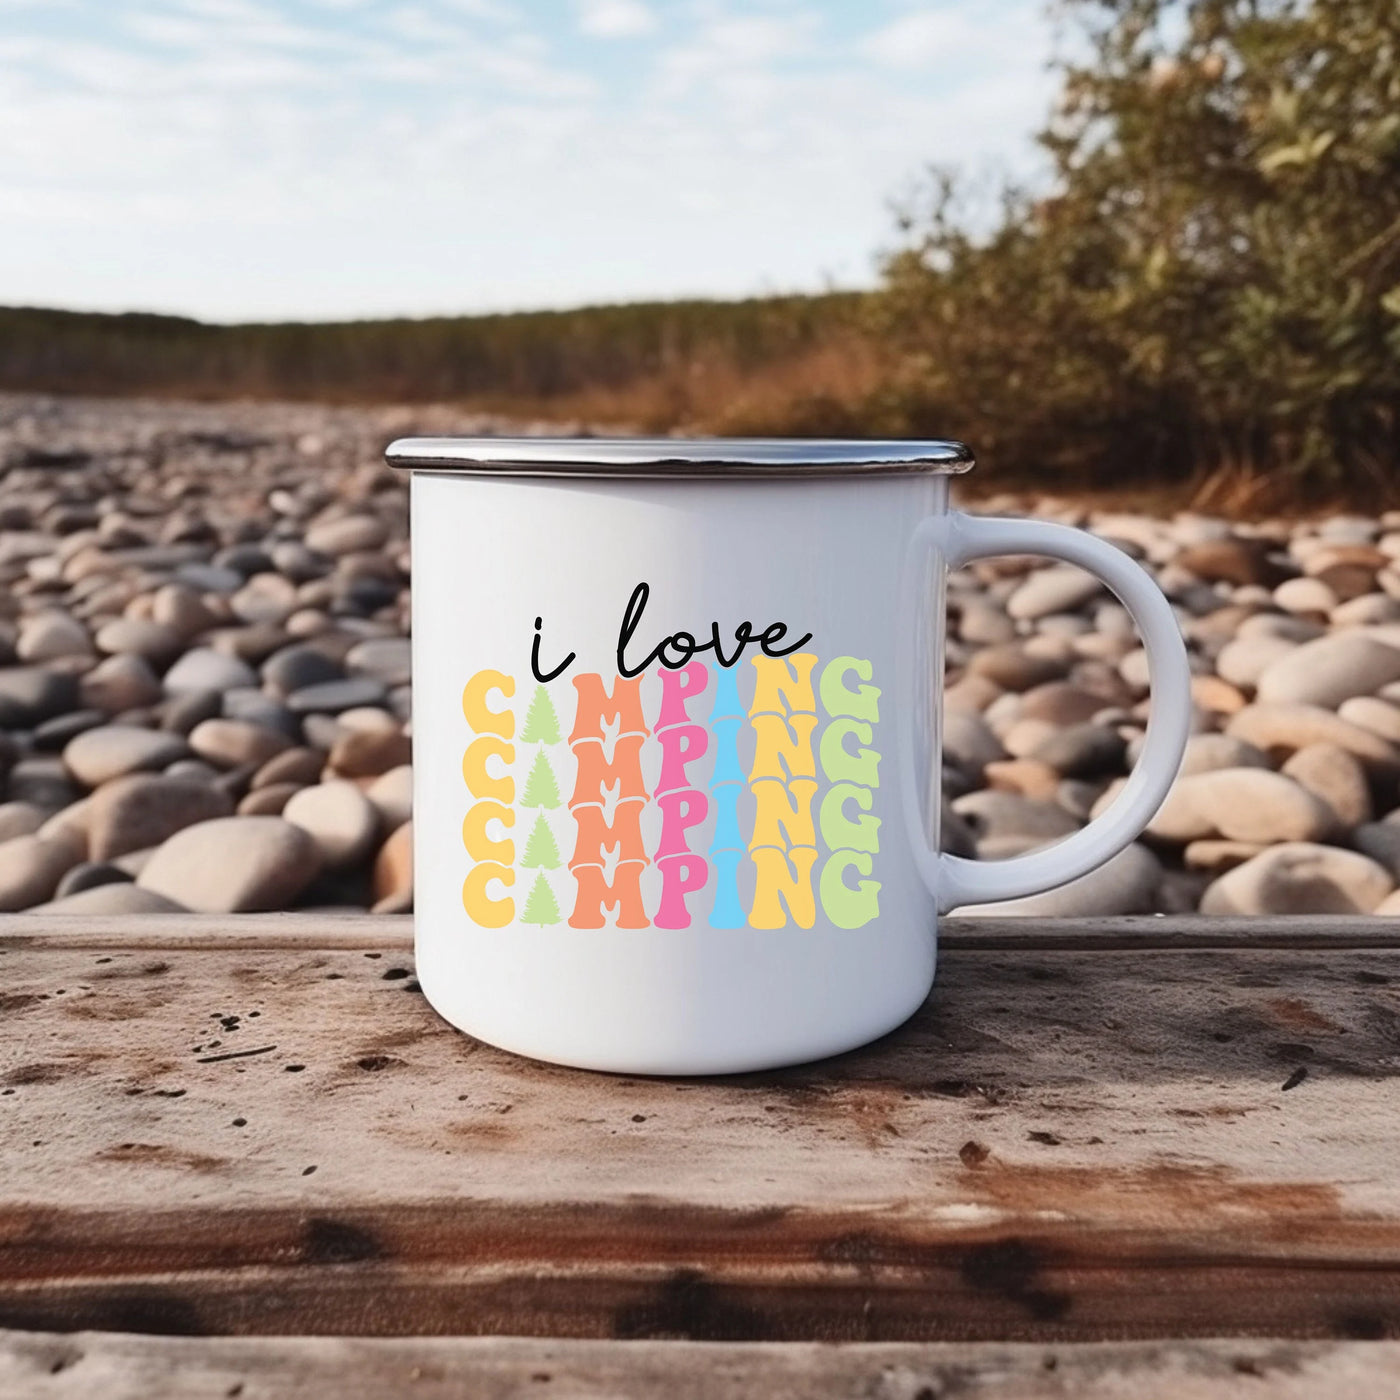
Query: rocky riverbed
<point x="205" y="702"/>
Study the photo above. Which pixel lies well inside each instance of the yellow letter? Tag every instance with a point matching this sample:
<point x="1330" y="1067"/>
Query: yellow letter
<point x="861" y="703"/>
<point x="839" y="763"/>
<point x="481" y="909"/>
<point x="479" y="782"/>
<point x="775" y="741"/>
<point x="482" y="719"/>
<point x="778" y="885"/>
<point x="787" y="807"/>
<point x="479" y="845"/>
<point x="841" y="833"/>
<point x="780" y="691"/>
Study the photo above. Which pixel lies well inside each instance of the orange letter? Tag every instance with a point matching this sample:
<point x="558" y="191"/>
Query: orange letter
<point x="595" y="835"/>
<point x="624" y="895"/>
<point x="595" y="773"/>
<point x="596" y="706"/>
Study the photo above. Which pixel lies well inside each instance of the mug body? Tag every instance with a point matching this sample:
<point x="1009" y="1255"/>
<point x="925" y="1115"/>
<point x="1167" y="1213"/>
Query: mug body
<point x="671" y="739"/>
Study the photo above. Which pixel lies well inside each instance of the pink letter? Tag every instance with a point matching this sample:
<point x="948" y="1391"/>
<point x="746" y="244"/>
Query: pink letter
<point x="680" y="746"/>
<point x="680" y="875"/>
<point x="677" y="687"/>
<point x="679" y="812"/>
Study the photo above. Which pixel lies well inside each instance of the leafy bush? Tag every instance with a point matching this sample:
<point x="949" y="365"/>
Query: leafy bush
<point x="1213" y="282"/>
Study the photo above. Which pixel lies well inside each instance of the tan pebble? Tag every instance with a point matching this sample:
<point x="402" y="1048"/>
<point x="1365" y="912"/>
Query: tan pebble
<point x="392" y="795"/>
<point x="299" y="766"/>
<point x="1218" y="696"/>
<point x="1219" y="855"/>
<point x="393" y="867"/>
<point x="234" y="865"/>
<point x="366" y="753"/>
<point x="1028" y="776"/>
<point x="973" y="693"/>
<point x="268" y="801"/>
<point x="1026" y="735"/>
<point x="233" y="743"/>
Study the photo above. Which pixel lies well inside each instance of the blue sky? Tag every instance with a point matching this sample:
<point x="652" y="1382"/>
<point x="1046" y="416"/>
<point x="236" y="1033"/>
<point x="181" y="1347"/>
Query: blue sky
<point x="243" y="159"/>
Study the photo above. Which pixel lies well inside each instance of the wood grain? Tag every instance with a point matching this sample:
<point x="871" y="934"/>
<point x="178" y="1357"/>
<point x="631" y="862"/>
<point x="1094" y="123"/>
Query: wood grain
<point x="78" y="1366"/>
<point x="1145" y="933"/>
<point x="246" y="1132"/>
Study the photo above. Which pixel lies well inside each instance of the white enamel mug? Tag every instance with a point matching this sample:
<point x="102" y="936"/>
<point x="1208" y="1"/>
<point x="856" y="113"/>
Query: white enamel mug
<point x="677" y="741"/>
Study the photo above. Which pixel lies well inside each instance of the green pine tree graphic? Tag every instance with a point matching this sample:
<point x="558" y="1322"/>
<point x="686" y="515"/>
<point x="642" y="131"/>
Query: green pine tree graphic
<point x="541" y="907"/>
<point x="541" y="851"/>
<point x="541" y="723"/>
<point x="541" y="788"/>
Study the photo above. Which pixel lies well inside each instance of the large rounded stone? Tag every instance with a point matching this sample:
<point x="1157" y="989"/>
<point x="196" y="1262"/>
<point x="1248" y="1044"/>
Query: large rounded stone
<point x="1283" y="729"/>
<point x="1125" y="884"/>
<point x="1210" y="752"/>
<point x="1082" y="751"/>
<point x="32" y="866"/>
<point x="999" y="815"/>
<point x="207" y="669"/>
<point x="389" y="659"/>
<point x="123" y="682"/>
<point x="1242" y="804"/>
<point x="339" y="818"/>
<point x="968" y="741"/>
<point x="300" y="766"/>
<point x="1379" y="716"/>
<point x="115" y="898"/>
<point x="51" y="635"/>
<point x="1300" y="879"/>
<point x="296" y="667"/>
<point x="20" y="819"/>
<point x="1012" y="667"/>
<point x="1057" y="589"/>
<point x="366" y="753"/>
<point x="180" y="608"/>
<point x="233" y="743"/>
<point x="392" y="796"/>
<point x="29" y="695"/>
<point x="1242" y="661"/>
<point x="1330" y="670"/>
<point x="330" y="697"/>
<point x="1060" y="702"/>
<point x="145" y="809"/>
<point x="152" y="640"/>
<point x="393" y="873"/>
<point x="1380" y="841"/>
<point x="1229" y="561"/>
<point x="114" y="750"/>
<point x="348" y="535"/>
<point x="234" y="865"/>
<point x="1335" y="777"/>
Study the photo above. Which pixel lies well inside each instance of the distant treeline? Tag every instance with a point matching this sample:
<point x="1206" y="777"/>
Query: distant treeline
<point x="1203" y="296"/>
<point x="661" y="364"/>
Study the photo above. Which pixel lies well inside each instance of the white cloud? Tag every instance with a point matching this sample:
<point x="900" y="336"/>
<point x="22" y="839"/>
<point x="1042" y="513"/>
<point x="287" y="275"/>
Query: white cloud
<point x="926" y="37"/>
<point x="443" y="155"/>
<point x="615" y="19"/>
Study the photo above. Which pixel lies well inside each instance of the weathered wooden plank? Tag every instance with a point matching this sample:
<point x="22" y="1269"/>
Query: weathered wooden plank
<point x="77" y="1366"/>
<point x="1145" y="933"/>
<point x="1061" y="1145"/>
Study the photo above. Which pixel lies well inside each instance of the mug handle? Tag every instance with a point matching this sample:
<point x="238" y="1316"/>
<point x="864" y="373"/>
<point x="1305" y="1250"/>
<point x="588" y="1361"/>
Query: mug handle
<point x="954" y="880"/>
